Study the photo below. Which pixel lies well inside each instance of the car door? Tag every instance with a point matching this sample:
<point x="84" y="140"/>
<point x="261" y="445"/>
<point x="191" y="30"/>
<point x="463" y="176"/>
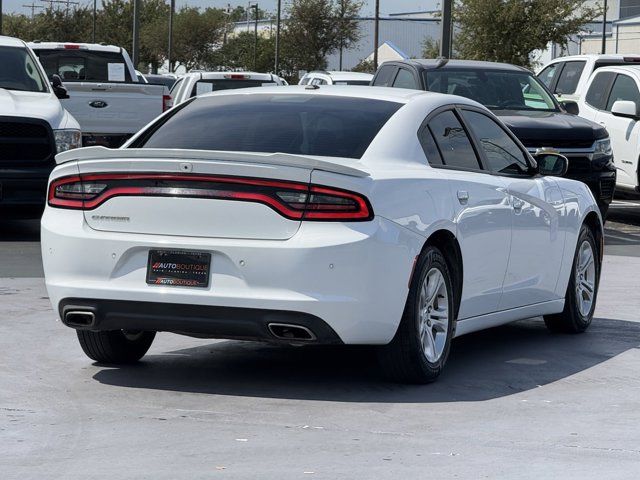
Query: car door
<point x="536" y="206"/>
<point x="624" y="132"/>
<point x="481" y="211"/>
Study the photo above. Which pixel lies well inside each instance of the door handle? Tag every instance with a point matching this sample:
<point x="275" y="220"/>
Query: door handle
<point x="463" y="197"/>
<point x="517" y="205"/>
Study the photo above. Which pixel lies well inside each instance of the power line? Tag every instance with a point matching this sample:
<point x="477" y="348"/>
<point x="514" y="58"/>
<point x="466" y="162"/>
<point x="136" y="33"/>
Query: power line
<point x="33" y="8"/>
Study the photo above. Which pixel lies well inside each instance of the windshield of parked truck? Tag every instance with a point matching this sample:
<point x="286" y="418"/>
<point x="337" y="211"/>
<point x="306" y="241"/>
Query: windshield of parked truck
<point x="80" y="65"/>
<point x="19" y="71"/>
<point x="495" y="89"/>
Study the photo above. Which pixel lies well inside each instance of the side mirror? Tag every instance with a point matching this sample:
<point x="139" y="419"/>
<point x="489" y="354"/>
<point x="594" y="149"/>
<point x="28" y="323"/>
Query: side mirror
<point x="570" y="106"/>
<point x="58" y="89"/>
<point x="553" y="164"/>
<point x="625" y="108"/>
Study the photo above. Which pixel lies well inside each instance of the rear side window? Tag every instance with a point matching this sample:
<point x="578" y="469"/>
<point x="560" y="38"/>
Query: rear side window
<point x="547" y="75"/>
<point x="384" y="77"/>
<point x="599" y="89"/>
<point x="569" y="77"/>
<point x="429" y="146"/>
<point x="453" y="142"/>
<point x="624" y="88"/>
<point x="405" y="79"/>
<point x="285" y="123"/>
<point x="502" y="153"/>
<point x="84" y="66"/>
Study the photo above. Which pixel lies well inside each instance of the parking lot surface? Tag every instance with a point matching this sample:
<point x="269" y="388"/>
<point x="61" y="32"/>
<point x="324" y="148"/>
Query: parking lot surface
<point x="513" y="402"/>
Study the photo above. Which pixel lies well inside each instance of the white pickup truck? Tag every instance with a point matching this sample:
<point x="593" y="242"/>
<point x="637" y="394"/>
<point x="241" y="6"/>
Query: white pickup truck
<point x="105" y="94"/>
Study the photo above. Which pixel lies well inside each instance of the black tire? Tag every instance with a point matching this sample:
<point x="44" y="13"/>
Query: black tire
<point x="115" y="347"/>
<point x="571" y="320"/>
<point x="403" y="360"/>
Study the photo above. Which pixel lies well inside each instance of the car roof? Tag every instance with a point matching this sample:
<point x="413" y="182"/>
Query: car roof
<point x="631" y="69"/>
<point x="11" y="42"/>
<point x="96" y="47"/>
<point x="340" y="75"/>
<point x="398" y="95"/>
<point x="440" y="63"/>
<point x="594" y="56"/>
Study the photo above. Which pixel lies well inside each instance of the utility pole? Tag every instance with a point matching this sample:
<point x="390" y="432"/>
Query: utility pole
<point x="136" y="33"/>
<point x="445" y="33"/>
<point x="604" y="29"/>
<point x="1" y="17"/>
<point x="95" y="7"/>
<point x="376" y="34"/>
<point x="278" y="14"/>
<point x="255" y="44"/>
<point x="170" y="49"/>
<point x="33" y="8"/>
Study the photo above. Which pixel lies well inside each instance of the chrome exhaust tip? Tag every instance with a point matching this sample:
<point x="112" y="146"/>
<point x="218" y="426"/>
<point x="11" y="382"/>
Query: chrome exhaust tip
<point x="79" y="318"/>
<point x="289" y="332"/>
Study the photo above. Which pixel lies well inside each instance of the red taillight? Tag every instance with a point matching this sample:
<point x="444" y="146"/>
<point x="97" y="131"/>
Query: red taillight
<point x="167" y="102"/>
<point x="292" y="200"/>
<point x="237" y="76"/>
<point x="632" y="59"/>
<point x="71" y="46"/>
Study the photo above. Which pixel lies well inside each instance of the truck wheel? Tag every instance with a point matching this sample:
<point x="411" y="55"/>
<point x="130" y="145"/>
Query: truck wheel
<point x="115" y="346"/>
<point x="582" y="292"/>
<point x="419" y="350"/>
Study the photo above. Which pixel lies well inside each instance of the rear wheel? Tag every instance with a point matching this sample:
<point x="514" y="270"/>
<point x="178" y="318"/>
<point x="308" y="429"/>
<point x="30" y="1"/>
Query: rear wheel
<point x="419" y="350"/>
<point x="580" y="299"/>
<point x="115" y="346"/>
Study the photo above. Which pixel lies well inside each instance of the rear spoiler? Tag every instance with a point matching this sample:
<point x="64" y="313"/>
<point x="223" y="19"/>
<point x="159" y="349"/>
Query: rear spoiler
<point x="327" y="164"/>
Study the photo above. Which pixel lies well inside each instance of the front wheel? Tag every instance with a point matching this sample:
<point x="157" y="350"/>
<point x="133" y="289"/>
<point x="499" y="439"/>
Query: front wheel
<point x="419" y="350"/>
<point x="115" y="346"/>
<point x="580" y="299"/>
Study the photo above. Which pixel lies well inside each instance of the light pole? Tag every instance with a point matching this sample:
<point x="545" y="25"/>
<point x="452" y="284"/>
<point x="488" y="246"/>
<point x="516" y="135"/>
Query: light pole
<point x="445" y="34"/>
<point x="94" y="20"/>
<point x="604" y="29"/>
<point x="136" y="33"/>
<point x="0" y="17"/>
<point x="170" y="49"/>
<point x="255" y="43"/>
<point x="277" y="62"/>
<point x="376" y="34"/>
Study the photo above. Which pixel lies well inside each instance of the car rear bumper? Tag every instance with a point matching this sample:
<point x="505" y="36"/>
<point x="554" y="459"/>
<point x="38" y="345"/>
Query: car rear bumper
<point x="196" y="320"/>
<point x="353" y="278"/>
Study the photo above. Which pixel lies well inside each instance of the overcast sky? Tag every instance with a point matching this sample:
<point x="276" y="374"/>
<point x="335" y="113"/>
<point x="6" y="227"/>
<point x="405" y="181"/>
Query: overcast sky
<point x="386" y="6"/>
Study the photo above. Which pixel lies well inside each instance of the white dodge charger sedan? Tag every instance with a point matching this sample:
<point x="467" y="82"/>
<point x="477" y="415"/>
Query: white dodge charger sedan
<point x="318" y="215"/>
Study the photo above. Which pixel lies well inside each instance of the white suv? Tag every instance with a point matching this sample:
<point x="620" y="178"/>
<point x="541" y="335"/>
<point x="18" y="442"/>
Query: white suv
<point x="321" y="77"/>
<point x="613" y="100"/>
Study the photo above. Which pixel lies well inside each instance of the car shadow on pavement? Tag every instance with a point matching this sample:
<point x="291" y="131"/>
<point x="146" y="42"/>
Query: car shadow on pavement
<point x="482" y="366"/>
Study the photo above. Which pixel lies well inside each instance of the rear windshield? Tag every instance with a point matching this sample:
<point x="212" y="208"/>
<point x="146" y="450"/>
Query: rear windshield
<point x="85" y="66"/>
<point x="495" y="89"/>
<point x="206" y="86"/>
<point x="19" y="71"/>
<point x="297" y="124"/>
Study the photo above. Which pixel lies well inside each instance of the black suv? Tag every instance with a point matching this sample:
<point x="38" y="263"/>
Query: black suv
<point x="525" y="105"/>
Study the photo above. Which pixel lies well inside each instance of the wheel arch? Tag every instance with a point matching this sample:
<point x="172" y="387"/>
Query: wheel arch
<point x="592" y="221"/>
<point x="448" y="244"/>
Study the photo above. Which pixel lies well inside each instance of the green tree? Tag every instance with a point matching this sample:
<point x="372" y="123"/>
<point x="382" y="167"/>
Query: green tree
<point x="510" y="30"/>
<point x="364" y="66"/>
<point x="317" y="28"/>
<point x="430" y="48"/>
<point x="197" y="33"/>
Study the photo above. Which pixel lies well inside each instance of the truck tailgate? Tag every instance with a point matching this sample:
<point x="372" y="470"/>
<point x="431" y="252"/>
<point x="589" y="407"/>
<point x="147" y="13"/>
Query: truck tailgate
<point x="113" y="108"/>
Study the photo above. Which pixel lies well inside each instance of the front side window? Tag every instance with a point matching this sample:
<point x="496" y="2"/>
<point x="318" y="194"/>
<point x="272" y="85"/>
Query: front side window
<point x="453" y="142"/>
<point x="598" y="90"/>
<point x="569" y="78"/>
<point x="282" y="123"/>
<point x="495" y="89"/>
<point x="405" y="79"/>
<point x="19" y="72"/>
<point x="547" y="75"/>
<point x="384" y="77"/>
<point x="79" y="65"/>
<point x="624" y="88"/>
<point x="502" y="153"/>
